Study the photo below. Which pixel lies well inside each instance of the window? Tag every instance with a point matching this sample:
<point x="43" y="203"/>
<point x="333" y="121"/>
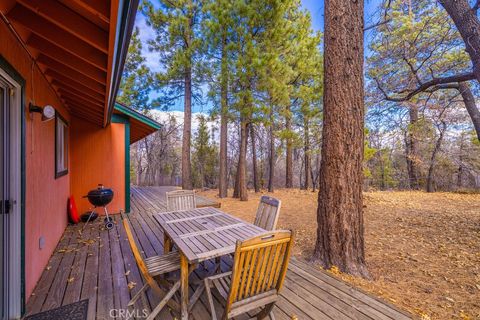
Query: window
<point x="61" y="146"/>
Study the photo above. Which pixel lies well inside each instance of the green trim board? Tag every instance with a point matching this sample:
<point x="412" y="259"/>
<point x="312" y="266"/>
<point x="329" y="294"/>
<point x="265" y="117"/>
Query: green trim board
<point x="117" y="118"/>
<point x="12" y="72"/>
<point x="137" y="116"/>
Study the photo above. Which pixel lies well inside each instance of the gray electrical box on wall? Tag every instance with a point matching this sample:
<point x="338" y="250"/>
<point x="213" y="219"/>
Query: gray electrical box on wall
<point x="41" y="242"/>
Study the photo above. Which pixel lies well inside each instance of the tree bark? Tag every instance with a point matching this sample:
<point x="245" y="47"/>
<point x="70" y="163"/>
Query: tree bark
<point x="460" y="160"/>
<point x="236" y="186"/>
<point x="470" y="105"/>
<point x="412" y="149"/>
<point x="306" y="151"/>
<point x="467" y="23"/>
<point x="271" y="157"/>
<point x="254" y="158"/>
<point x="289" y="151"/>
<point x="340" y="233"/>
<point x="187" y="132"/>
<point x="242" y="161"/>
<point x="433" y="158"/>
<point x="223" y="180"/>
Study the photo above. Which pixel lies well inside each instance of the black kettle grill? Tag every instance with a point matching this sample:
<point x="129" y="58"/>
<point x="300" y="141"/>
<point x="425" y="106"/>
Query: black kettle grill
<point x="100" y="197"/>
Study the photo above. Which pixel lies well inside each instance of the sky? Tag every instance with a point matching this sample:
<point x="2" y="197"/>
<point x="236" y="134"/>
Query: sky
<point x="315" y="7"/>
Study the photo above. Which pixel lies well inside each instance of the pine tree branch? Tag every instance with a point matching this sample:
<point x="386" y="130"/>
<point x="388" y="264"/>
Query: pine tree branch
<point x="434" y="84"/>
<point x="378" y="24"/>
<point x="476" y="6"/>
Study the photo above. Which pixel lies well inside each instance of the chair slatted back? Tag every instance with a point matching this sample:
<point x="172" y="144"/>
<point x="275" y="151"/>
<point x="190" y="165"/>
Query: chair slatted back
<point x="267" y="213"/>
<point x="137" y="255"/>
<point x="260" y="265"/>
<point x="180" y="200"/>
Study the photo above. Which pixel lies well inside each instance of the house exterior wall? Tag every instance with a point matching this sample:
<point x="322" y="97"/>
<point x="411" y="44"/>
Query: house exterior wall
<point x="45" y="196"/>
<point x="97" y="156"/>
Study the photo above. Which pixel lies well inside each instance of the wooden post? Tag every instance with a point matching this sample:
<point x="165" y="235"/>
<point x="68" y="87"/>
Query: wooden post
<point x="167" y="243"/>
<point x="184" y="286"/>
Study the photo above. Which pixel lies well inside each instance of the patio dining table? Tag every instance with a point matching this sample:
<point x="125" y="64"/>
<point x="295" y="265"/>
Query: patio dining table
<point x="201" y="234"/>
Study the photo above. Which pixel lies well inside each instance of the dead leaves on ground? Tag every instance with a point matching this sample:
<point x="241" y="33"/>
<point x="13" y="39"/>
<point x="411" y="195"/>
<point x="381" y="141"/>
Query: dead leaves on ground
<point x="420" y="247"/>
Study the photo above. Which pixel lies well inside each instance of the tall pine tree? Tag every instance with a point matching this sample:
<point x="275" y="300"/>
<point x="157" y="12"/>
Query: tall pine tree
<point x="178" y="43"/>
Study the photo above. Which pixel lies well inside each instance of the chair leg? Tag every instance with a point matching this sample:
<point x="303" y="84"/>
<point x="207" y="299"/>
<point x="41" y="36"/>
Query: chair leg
<point x="131" y="303"/>
<point x="196" y="295"/>
<point x="272" y="317"/>
<point x="210" y="299"/>
<point x="218" y="265"/>
<point x="164" y="301"/>
<point x="267" y="311"/>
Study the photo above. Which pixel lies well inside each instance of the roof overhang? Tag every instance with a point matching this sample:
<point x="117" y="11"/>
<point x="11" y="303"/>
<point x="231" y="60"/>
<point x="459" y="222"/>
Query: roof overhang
<point x="79" y="45"/>
<point x="140" y="125"/>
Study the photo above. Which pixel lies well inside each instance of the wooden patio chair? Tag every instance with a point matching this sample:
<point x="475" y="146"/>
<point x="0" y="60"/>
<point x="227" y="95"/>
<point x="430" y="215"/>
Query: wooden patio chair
<point x="266" y="218"/>
<point x="267" y="213"/>
<point x="180" y="200"/>
<point x="259" y="269"/>
<point x="151" y="268"/>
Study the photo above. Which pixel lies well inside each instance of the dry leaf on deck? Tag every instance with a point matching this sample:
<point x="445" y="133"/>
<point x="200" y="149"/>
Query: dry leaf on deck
<point x="131" y="285"/>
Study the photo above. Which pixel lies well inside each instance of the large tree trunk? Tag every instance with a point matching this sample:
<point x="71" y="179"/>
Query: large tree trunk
<point x="222" y="180"/>
<point x="187" y="132"/>
<point x="468" y="25"/>
<point x="254" y="158"/>
<point x="460" y="160"/>
<point x="412" y="149"/>
<point x="306" y="151"/>
<point x="340" y="233"/>
<point x="470" y="105"/>
<point x="433" y="158"/>
<point x="271" y="156"/>
<point x="289" y="151"/>
<point x="236" y="186"/>
<point x="242" y="161"/>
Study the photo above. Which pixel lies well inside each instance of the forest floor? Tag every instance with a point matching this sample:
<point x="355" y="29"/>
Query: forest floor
<point x="422" y="249"/>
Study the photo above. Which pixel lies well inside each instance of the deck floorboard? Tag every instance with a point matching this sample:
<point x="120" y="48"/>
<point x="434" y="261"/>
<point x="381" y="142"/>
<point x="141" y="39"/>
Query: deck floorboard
<point x="100" y="266"/>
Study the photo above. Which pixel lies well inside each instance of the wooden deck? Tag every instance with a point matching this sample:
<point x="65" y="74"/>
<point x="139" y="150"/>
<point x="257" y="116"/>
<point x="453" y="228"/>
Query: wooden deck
<point x="100" y="266"/>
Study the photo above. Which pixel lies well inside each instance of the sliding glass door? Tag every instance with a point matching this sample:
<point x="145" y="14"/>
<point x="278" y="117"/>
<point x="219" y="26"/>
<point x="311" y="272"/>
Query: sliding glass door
<point x="3" y="201"/>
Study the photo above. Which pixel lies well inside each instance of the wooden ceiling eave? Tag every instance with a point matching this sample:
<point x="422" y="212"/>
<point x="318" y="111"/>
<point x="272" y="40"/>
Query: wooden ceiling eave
<point x="71" y="42"/>
<point x="82" y="100"/>
<point x="63" y="39"/>
<point x="83" y="105"/>
<point x="78" y="94"/>
<point x="84" y="91"/>
<point x="70" y="21"/>
<point x="77" y="107"/>
<point x="77" y="83"/>
<point x="66" y="70"/>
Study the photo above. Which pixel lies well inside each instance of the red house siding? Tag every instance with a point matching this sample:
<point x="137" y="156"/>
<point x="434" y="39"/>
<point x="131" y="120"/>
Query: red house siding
<point x="46" y="197"/>
<point x="97" y="156"/>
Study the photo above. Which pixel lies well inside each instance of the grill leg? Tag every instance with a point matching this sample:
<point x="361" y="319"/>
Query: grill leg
<point x="89" y="217"/>
<point x="108" y="220"/>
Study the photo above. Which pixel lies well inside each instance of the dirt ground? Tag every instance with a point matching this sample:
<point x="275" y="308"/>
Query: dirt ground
<point x="422" y="250"/>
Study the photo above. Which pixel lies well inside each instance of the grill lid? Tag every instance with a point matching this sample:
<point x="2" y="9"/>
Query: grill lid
<point x="100" y="196"/>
